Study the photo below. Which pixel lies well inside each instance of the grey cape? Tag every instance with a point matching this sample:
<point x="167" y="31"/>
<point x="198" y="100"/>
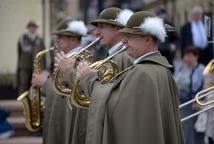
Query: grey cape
<point x="139" y="106"/>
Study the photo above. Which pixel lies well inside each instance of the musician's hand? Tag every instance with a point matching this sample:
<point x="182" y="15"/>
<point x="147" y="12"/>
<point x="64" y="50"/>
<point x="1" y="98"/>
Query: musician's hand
<point x="83" y="69"/>
<point x="62" y="62"/>
<point x="38" y="80"/>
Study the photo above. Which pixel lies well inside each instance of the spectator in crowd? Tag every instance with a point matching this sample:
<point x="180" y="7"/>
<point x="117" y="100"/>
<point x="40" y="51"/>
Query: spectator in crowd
<point x="29" y="45"/>
<point x="189" y="78"/>
<point x="167" y="48"/>
<point x="193" y="34"/>
<point x="6" y="129"/>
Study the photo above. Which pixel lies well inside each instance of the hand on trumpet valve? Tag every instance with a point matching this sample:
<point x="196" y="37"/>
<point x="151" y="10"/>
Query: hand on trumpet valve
<point x="62" y="62"/>
<point x="83" y="68"/>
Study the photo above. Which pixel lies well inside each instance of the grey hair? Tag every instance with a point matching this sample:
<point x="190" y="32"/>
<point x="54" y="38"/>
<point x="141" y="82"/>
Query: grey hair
<point x="197" y="9"/>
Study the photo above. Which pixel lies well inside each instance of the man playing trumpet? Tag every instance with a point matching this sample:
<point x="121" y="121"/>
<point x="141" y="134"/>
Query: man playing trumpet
<point x="56" y="117"/>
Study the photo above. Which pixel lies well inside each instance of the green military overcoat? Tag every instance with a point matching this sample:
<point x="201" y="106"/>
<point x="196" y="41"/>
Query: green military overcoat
<point x="55" y="113"/>
<point x="138" y="107"/>
<point x="56" y="116"/>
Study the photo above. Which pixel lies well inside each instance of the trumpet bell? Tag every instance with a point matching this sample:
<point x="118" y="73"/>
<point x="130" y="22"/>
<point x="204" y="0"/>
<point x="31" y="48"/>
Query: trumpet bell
<point x="59" y="87"/>
<point x="106" y="71"/>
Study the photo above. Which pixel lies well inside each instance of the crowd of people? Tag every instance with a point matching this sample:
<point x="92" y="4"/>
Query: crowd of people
<point x="140" y="104"/>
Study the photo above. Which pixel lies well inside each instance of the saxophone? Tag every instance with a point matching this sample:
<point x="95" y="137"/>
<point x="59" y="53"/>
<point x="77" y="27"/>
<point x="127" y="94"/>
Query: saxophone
<point x="31" y="99"/>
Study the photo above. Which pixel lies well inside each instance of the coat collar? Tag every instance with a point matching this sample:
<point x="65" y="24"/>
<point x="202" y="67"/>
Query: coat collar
<point x="155" y="58"/>
<point x="151" y="58"/>
<point x="136" y="61"/>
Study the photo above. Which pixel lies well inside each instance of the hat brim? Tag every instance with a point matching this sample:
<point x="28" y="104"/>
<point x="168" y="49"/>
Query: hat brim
<point x="111" y="22"/>
<point x="66" y="33"/>
<point x="133" y="31"/>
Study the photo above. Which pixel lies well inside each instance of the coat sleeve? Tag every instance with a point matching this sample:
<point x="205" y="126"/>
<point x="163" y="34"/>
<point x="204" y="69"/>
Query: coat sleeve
<point x="88" y="83"/>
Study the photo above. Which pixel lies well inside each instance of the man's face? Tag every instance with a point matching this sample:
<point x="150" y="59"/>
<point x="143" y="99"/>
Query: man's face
<point x="197" y="16"/>
<point x="190" y="59"/>
<point x="107" y="33"/>
<point x="32" y="29"/>
<point x="63" y="42"/>
<point x="135" y="45"/>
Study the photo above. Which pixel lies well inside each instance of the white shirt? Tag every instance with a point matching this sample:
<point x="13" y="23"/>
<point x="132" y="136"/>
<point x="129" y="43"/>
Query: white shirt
<point x="136" y="61"/>
<point x="115" y="48"/>
<point x="199" y="36"/>
<point x="32" y="36"/>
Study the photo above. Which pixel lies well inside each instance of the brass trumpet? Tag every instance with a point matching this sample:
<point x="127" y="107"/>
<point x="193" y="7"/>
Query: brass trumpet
<point x="82" y="54"/>
<point x="202" y="94"/>
<point x="105" y="74"/>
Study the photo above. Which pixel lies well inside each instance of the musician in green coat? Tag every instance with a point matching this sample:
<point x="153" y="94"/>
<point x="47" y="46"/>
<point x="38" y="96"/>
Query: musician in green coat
<point x="140" y="105"/>
<point x="56" y="115"/>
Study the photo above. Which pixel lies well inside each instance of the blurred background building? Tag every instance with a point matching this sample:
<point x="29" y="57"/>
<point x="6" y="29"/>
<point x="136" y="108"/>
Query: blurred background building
<point x="16" y="13"/>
